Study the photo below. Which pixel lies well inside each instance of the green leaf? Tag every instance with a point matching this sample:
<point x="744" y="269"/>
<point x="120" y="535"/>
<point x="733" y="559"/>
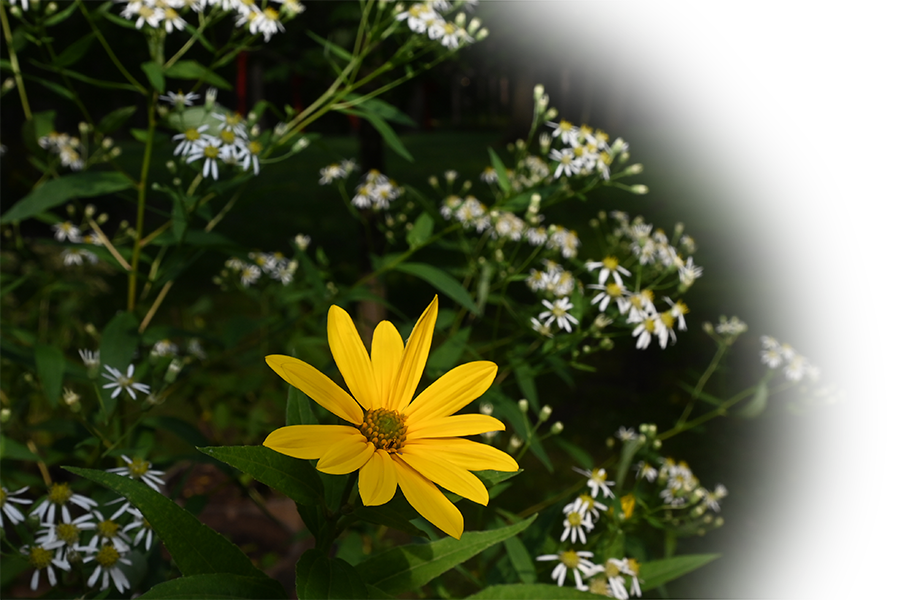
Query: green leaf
<point x="53" y="87"/>
<point x="387" y="132"/>
<point x="218" y="585"/>
<point x="178" y="427"/>
<point x="448" y="354"/>
<point x="195" y="548"/>
<point x="409" y="567"/>
<point x="396" y="514"/>
<point x="61" y="15"/>
<point x="492" y="478"/>
<point x="142" y="135"/>
<point x="532" y="591"/>
<point x="295" y="478"/>
<point x="421" y="231"/>
<point x="502" y="179"/>
<point x="757" y="404"/>
<point x="155" y="75"/>
<point x="74" y="52"/>
<point x="41" y="124"/>
<point x="115" y="119"/>
<point x="55" y="192"/>
<point x="179" y="219"/>
<point x="191" y="69"/>
<point x="525" y="379"/>
<point x="331" y="47"/>
<point x="385" y="110"/>
<point x="442" y="282"/>
<point x="628" y="450"/>
<point x="50" y="364"/>
<point x="14" y="450"/>
<point x="298" y="410"/>
<point x="581" y="457"/>
<point x="318" y="576"/>
<point x="520" y="559"/>
<point x="655" y="573"/>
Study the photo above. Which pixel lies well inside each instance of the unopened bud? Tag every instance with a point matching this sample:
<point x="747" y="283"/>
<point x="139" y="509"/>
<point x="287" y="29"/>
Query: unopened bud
<point x="474" y="26"/>
<point x="70" y="209"/>
<point x="486" y="408"/>
<point x="545" y="413"/>
<point x="300" y="144"/>
<point x="538" y="91"/>
<point x="8" y="84"/>
<point x="515" y="442"/>
<point x="634" y="169"/>
<point x="210" y="100"/>
<point x="51" y="8"/>
<point x="302" y="241"/>
<point x="155" y="400"/>
<point x="5" y="415"/>
<point x="482" y="33"/>
<point x="176" y="181"/>
<point x="84" y="128"/>
<point x="523" y="405"/>
<point x="610" y="442"/>
<point x="89" y="210"/>
<point x="460" y="19"/>
<point x="162" y="110"/>
<point x="707" y="327"/>
<point x="639" y="189"/>
<point x="170" y="165"/>
<point x="433" y="181"/>
<point x="557" y="428"/>
<point x="657" y="444"/>
<point x="552" y="113"/>
<point x="174" y="369"/>
<point x="115" y="152"/>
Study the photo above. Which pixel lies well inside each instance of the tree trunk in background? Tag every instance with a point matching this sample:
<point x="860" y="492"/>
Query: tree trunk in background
<point x="618" y="88"/>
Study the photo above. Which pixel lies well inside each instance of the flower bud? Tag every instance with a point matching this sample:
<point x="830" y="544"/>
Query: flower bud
<point x="300" y="144"/>
<point x="84" y="128"/>
<point x="8" y="84"/>
<point x="51" y="8"/>
<point x="302" y="241"/>
<point x="433" y="181"/>
<point x="482" y="33"/>
<point x="486" y="408"/>
<point x="538" y="91"/>
<point x="515" y="442"/>
<point x="634" y="169"/>
<point x="639" y="189"/>
<point x="460" y="19"/>
<point x="523" y="405"/>
<point x="5" y="415"/>
<point x="174" y="369"/>
<point x="557" y="428"/>
<point x="474" y="26"/>
<point x="210" y="100"/>
<point x="545" y="413"/>
<point x="552" y="113"/>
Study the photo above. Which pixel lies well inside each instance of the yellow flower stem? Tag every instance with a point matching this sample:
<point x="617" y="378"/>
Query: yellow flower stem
<point x="14" y="63"/>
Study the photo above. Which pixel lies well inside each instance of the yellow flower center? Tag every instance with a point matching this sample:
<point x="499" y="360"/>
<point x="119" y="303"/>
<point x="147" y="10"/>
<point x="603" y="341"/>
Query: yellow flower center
<point x="565" y="125"/>
<point x="574" y="519"/>
<point x="227" y="136"/>
<point x="107" y="556"/>
<point x="233" y="120"/>
<point x="612" y="570"/>
<point x="211" y="152"/>
<point x="635" y="566"/>
<point x="386" y="429"/>
<point x="611" y="263"/>
<point x="569" y="558"/>
<point x="254" y="147"/>
<point x="598" y="586"/>
<point x="270" y="13"/>
<point x="39" y="557"/>
<point x="2" y="497"/>
<point x="59" y="493"/>
<point x="650" y="325"/>
<point x="667" y="319"/>
<point x="587" y="500"/>
<point x="68" y="533"/>
<point x="613" y="290"/>
<point x="107" y="528"/>
<point x="192" y="135"/>
<point x="138" y="468"/>
<point x="628" y="502"/>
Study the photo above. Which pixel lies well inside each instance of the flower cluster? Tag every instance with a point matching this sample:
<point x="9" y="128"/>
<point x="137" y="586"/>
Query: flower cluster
<point x="796" y="366"/>
<point x="426" y="18"/>
<point x="376" y="191"/>
<point x="167" y="14"/>
<point x="69" y="149"/>
<point x="64" y="539"/>
<point x="231" y="144"/>
<point x="336" y="171"/>
<point x="274" y="264"/>
<point x="653" y="248"/>
<point x="584" y="150"/>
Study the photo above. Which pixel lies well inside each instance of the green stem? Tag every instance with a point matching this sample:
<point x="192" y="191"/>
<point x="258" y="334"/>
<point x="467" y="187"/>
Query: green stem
<point x="701" y="383"/>
<point x="14" y="63"/>
<point x="142" y="203"/>
<point x="109" y="50"/>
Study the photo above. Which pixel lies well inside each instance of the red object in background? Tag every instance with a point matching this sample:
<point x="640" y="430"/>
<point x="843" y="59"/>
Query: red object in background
<point x="295" y="92"/>
<point x="241" y="83"/>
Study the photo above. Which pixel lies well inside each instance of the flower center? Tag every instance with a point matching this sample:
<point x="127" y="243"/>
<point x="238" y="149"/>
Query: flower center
<point x="59" y="493"/>
<point x="611" y="568"/>
<point x="667" y="319"/>
<point x="650" y="325"/>
<point x="108" y="528"/>
<point x="587" y="501"/>
<point x="386" y="429"/>
<point x="39" y="557"/>
<point x="138" y="468"/>
<point x="192" y="135"/>
<point x="107" y="556"/>
<point x="574" y="519"/>
<point x="254" y="147"/>
<point x="227" y="136"/>
<point x="569" y="558"/>
<point x="635" y="566"/>
<point x="68" y="533"/>
<point x="211" y="152"/>
<point x="598" y="586"/>
<point x="611" y="263"/>
<point x="2" y="497"/>
<point x="614" y="290"/>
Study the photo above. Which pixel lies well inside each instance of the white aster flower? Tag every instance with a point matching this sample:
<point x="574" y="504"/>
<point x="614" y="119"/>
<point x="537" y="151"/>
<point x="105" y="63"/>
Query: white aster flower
<point x="124" y="382"/>
<point x="249" y="274"/>
<point x="646" y="471"/>
<point x="90" y="359"/>
<point x="138" y="468"/>
<point x="108" y="532"/>
<point x="536" y="236"/>
<point x="40" y="557"/>
<point x="614" y="569"/>
<point x="144" y="531"/>
<point x="567" y="162"/>
<point x="565" y="241"/>
<point x="189" y="140"/>
<point x="179" y="99"/>
<point x="565" y="131"/>
<point x="8" y="501"/>
<point x="164" y="347"/>
<point x="577" y="562"/>
<point x="60" y="494"/>
<point x="585" y="504"/>
<point x="108" y="560"/>
<point x="575" y="525"/>
<point x="626" y="434"/>
<point x="597" y="481"/>
<point x="77" y="256"/>
<point x="611" y="291"/>
<point x="330" y="173"/>
<point x="66" y="230"/>
<point x="688" y="273"/>
<point x="559" y="312"/>
<point x="541" y="328"/>
<point x="609" y="266"/>
<point x="68" y="531"/>
<point x="209" y="150"/>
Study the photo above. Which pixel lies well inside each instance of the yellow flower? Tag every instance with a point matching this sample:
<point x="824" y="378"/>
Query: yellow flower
<point x="393" y="440"/>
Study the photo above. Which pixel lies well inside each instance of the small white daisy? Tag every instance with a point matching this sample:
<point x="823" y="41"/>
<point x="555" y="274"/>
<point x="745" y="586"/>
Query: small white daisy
<point x="8" y="501"/>
<point x="597" y="481"/>
<point x="40" y="557"/>
<point x="559" y="312"/>
<point x="60" y="494"/>
<point x="577" y="562"/>
<point x="138" y="468"/>
<point x="124" y="382"/>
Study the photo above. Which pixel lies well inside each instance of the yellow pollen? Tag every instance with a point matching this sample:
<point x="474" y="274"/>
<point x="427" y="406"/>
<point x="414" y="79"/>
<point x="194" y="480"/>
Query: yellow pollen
<point x="227" y="136"/>
<point x="39" y="557"/>
<point x="448" y="28"/>
<point x="569" y="558"/>
<point x="636" y="300"/>
<point x="614" y="290"/>
<point x="211" y="152"/>
<point x="599" y="475"/>
<point x="108" y="528"/>
<point x="605" y="158"/>
<point x="254" y="147"/>
<point x="586" y="499"/>
<point x="233" y="120"/>
<point x="68" y="533"/>
<point x="598" y="586"/>
<point x="2" y="497"/>
<point x="565" y="125"/>
<point x="386" y="429"/>
<point x="108" y="556"/>
<point x="611" y="263"/>
<point x="635" y="566"/>
<point x="138" y="468"/>
<point x="578" y="151"/>
<point x="611" y="569"/>
<point x="650" y="325"/>
<point x="647" y="295"/>
<point x="192" y="135"/>
<point x="667" y="319"/>
<point x="270" y="13"/>
<point x="59" y="493"/>
<point x="681" y="307"/>
<point x="574" y="519"/>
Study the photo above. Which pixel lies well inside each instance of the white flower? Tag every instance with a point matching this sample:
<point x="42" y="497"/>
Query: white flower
<point x="145" y="532"/>
<point x="189" y="140"/>
<point x="608" y="266"/>
<point x="626" y="434"/>
<point x="40" y="557"/>
<point x="76" y="256"/>
<point x="585" y="504"/>
<point x="108" y="559"/>
<point x="613" y="570"/>
<point x="90" y="359"/>
<point x="68" y="531"/>
<point x="180" y="99"/>
<point x="565" y="241"/>
<point x="489" y="175"/>
<point x="249" y="274"/>
<point x="648" y="325"/>
<point x="124" y="382"/>
<point x="575" y="525"/>
<point x="291" y="7"/>
<point x="209" y="150"/>
<point x="164" y="347"/>
<point x="66" y="230"/>
<point x="330" y="173"/>
<point x="536" y="236"/>
<point x="542" y="329"/>
<point x="138" y="468"/>
<point x="732" y="327"/>
<point x="263" y="21"/>
<point x="597" y="481"/>
<point x="7" y="505"/>
<point x="172" y="19"/>
<point x="611" y="291"/>
<point x="796" y="368"/>
<point x="108" y="532"/>
<point x="565" y="131"/>
<point x="688" y="273"/>
<point x="559" y="312"/>
<point x="646" y="471"/>
<point x="60" y="494"/>
<point x="508" y="226"/>
<point x="567" y="163"/>
<point x="571" y="560"/>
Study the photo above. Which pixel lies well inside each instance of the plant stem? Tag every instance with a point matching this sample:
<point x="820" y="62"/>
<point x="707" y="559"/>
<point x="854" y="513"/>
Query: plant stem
<point x="14" y="63"/>
<point x="714" y="363"/>
<point x="142" y="203"/>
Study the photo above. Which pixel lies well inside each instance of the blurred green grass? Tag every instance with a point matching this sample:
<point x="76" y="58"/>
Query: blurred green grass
<point x="777" y="469"/>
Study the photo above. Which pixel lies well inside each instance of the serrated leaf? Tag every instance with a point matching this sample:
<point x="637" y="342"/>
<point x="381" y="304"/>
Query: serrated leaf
<point x="115" y="119"/>
<point x="55" y="192"/>
<point x="757" y="403"/>
<point x="295" y="478"/>
<point x="155" y="75"/>
<point x="500" y="168"/>
<point x="191" y="69"/>
<point x="441" y="281"/>
<point x="219" y="585"/>
<point x="319" y="576"/>
<point x="409" y="567"/>
<point x="532" y="591"/>
<point x="50" y="364"/>
<point x="657" y="572"/>
<point x="195" y="548"/>
<point x="421" y="231"/>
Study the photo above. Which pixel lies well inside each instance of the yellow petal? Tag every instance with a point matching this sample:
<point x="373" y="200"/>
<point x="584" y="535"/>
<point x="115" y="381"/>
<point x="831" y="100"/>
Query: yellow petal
<point x="317" y="386"/>
<point x="428" y="500"/>
<point x="453" y="426"/>
<point x="347" y="456"/>
<point x="415" y="354"/>
<point x="453" y="391"/>
<point x="309" y="441"/>
<point x="351" y="357"/>
<point x="465" y="453"/>
<point x="378" y="479"/>
<point x="387" y="349"/>
<point x="445" y="474"/>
